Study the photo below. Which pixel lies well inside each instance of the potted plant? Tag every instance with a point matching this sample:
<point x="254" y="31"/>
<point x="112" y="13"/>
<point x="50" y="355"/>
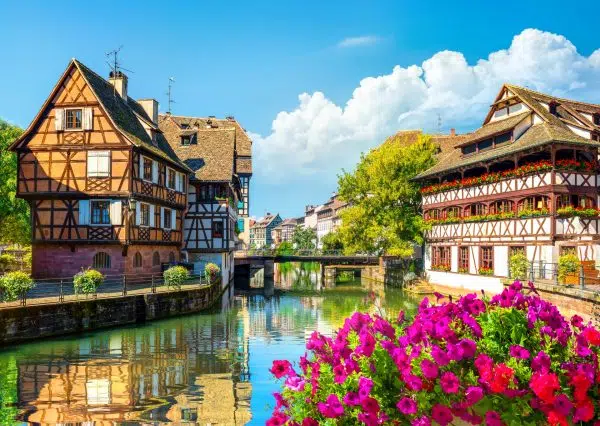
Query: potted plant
<point x="568" y="269"/>
<point x="211" y="272"/>
<point x="87" y="282"/>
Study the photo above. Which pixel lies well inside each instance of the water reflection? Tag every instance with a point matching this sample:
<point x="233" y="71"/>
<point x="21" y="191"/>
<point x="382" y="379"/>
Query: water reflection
<point x="206" y="368"/>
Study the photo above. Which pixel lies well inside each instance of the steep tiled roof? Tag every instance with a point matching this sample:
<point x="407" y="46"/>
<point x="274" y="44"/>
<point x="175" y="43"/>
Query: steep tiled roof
<point x="265" y="221"/>
<point x="242" y="143"/>
<point x="210" y="157"/>
<point x="123" y="114"/>
<point x="552" y="128"/>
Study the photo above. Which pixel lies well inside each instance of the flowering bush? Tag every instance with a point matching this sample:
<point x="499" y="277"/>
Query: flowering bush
<point x="533" y="212"/>
<point x="539" y="166"/>
<point x="519" y="266"/>
<point x="88" y="281"/>
<point x="511" y="360"/>
<point x="486" y="271"/>
<point x="15" y="285"/>
<point x="568" y="265"/>
<point x="176" y="276"/>
<point x="463" y="270"/>
<point x="570" y="211"/>
<point x="441" y="267"/>
<point x="211" y="272"/>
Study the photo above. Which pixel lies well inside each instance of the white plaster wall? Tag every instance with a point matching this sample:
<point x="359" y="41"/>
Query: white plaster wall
<point x="583" y="133"/>
<point x="501" y="261"/>
<point x="427" y="257"/>
<point x="473" y="259"/>
<point x="454" y="258"/>
<point x="537" y="119"/>
<point x="468" y="282"/>
<point x="521" y="128"/>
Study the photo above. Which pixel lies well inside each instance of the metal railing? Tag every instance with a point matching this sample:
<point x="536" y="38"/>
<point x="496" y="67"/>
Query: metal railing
<point x="59" y="290"/>
<point x="585" y="279"/>
<point x="297" y="253"/>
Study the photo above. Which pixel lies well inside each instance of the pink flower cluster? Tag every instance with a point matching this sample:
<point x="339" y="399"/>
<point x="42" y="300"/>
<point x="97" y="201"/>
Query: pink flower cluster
<point x="510" y="360"/>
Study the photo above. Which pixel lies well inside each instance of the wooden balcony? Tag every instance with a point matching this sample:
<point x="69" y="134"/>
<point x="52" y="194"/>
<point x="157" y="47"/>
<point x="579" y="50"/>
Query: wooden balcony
<point x="148" y="190"/>
<point x="503" y="187"/>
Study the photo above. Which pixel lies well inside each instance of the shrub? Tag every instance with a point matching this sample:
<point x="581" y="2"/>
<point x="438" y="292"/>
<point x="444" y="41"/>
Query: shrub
<point x="88" y="281"/>
<point x="285" y="249"/>
<point x="519" y="266"/>
<point x="27" y="258"/>
<point x="568" y="264"/>
<point x="14" y="285"/>
<point x="409" y="278"/>
<point x="175" y="276"/>
<point x="7" y="261"/>
<point x="211" y="272"/>
<point x="511" y="360"/>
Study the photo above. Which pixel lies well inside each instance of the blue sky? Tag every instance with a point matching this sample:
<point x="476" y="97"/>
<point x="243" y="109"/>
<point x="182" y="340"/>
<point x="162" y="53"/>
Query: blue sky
<point x="253" y="60"/>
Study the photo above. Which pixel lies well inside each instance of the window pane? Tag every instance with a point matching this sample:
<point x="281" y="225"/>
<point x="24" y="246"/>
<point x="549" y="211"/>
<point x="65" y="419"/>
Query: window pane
<point x="469" y="149"/>
<point x="485" y="144"/>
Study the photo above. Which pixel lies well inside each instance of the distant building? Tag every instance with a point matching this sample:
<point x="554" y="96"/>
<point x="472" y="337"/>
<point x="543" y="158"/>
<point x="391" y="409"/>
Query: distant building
<point x="328" y="218"/>
<point x="285" y="230"/>
<point x="310" y="216"/>
<point x="260" y="232"/>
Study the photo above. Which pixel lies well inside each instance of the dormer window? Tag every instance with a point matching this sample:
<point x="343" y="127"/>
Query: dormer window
<point x="552" y="108"/>
<point x="187" y="140"/>
<point x="73" y="119"/>
<point x="596" y="119"/>
<point x="469" y="149"/>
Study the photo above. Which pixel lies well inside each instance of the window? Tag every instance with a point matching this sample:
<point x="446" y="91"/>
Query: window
<point x="469" y="149"/>
<point x="171" y="180"/>
<point x="186" y="140"/>
<point x="451" y="212"/>
<point x="533" y="203"/>
<point x="167" y="213"/>
<point x="441" y="258"/>
<point x="98" y="163"/>
<point x="463" y="259"/>
<point x="596" y="119"/>
<point x="171" y="257"/>
<point x="100" y="212"/>
<point x="486" y="144"/>
<point x="502" y="139"/>
<point x="517" y="250"/>
<point x="445" y="256"/>
<point x="144" y="214"/>
<point x="217" y="229"/>
<point x="475" y="210"/>
<point x="137" y="260"/>
<point x="147" y="172"/>
<point x="156" y="259"/>
<point x="240" y="225"/>
<point x="502" y="206"/>
<point x="101" y="260"/>
<point x="433" y="214"/>
<point x="73" y="119"/>
<point x="552" y="108"/>
<point x="487" y="258"/>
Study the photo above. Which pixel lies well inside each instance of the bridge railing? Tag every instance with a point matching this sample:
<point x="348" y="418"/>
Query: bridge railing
<point x="296" y="253"/>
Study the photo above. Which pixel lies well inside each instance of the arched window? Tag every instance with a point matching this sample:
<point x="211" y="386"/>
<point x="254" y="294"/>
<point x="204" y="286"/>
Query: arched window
<point x="477" y="209"/>
<point x="155" y="259"/>
<point x="452" y="212"/>
<point x="171" y="257"/>
<point x="137" y="260"/>
<point x="537" y="202"/>
<point x="433" y="214"/>
<point x="501" y="206"/>
<point x="101" y="260"/>
<point x="572" y="200"/>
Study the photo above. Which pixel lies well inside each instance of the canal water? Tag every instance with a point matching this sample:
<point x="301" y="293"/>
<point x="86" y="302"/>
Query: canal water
<point x="209" y="368"/>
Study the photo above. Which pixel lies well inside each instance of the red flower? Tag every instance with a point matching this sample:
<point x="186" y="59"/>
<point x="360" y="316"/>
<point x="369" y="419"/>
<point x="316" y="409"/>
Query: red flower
<point x="592" y="336"/>
<point x="281" y="368"/>
<point x="501" y="378"/>
<point x="544" y="385"/>
<point x="555" y="419"/>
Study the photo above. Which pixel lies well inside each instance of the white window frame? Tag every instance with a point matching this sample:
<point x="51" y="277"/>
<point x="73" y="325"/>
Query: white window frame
<point x="106" y="200"/>
<point x="149" y="215"/>
<point x="96" y="157"/>
<point x="169" y="170"/>
<point x="73" y="129"/>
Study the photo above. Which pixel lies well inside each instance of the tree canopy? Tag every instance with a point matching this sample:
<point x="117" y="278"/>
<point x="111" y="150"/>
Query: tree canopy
<point x="14" y="212"/>
<point x="384" y="213"/>
<point x="304" y="238"/>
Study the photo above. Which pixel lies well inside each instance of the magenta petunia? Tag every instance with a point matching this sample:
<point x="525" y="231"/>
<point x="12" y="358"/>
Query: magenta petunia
<point x="518" y="351"/>
<point x="281" y="368"/>
<point x="492" y="418"/>
<point x="407" y="406"/>
<point x="331" y="408"/>
<point x="370" y="405"/>
<point x="449" y="382"/>
<point x="429" y="369"/>
<point x="473" y="395"/>
<point x="351" y="399"/>
<point x="441" y="414"/>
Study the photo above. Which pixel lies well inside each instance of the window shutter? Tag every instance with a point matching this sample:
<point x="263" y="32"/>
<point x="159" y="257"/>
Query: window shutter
<point x="138" y="213"/>
<point x="115" y="212"/>
<point x="162" y="215"/>
<point x="88" y="118"/>
<point x="104" y="163"/>
<point x="141" y="171"/>
<point x="173" y="219"/>
<point x="155" y="171"/>
<point x="84" y="212"/>
<point x="152" y="216"/>
<point x="59" y="119"/>
<point x="177" y="182"/>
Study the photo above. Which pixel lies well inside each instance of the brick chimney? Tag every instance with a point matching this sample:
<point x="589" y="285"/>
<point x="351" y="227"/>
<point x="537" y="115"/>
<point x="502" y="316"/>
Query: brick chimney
<point x="151" y="108"/>
<point x="453" y="132"/>
<point x="119" y="80"/>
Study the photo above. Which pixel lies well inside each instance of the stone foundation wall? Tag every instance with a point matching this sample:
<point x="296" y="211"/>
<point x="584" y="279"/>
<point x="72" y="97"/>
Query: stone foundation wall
<point x="18" y="324"/>
<point x="64" y="261"/>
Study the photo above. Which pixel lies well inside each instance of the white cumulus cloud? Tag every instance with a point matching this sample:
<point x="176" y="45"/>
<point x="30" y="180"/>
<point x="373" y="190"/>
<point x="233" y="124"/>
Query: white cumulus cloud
<point x="358" y="41"/>
<point x="319" y="135"/>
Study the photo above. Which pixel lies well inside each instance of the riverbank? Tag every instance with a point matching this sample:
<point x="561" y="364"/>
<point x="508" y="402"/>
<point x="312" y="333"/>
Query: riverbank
<point x="24" y="323"/>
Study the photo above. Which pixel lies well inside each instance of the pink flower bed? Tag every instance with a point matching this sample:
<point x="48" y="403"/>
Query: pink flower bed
<point x="511" y="360"/>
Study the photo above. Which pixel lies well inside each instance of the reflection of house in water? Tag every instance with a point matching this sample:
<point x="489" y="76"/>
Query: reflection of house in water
<point x="194" y="370"/>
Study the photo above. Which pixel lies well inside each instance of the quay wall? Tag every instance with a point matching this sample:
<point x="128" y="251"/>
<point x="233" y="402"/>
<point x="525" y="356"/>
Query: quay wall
<point x="23" y="323"/>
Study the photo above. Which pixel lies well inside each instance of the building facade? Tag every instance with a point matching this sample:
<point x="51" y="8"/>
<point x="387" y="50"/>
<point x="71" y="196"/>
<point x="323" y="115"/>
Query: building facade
<point x="527" y="181"/>
<point x="328" y="218"/>
<point x="105" y="190"/>
<point x="209" y="147"/>
<point x="261" y="233"/>
<point x="285" y="230"/>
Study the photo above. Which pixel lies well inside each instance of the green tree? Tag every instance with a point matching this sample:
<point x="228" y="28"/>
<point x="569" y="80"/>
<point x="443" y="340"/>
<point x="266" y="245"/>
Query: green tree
<point x="384" y="214"/>
<point x="333" y="242"/>
<point x="285" y="249"/>
<point x="304" y="238"/>
<point x="14" y="212"/>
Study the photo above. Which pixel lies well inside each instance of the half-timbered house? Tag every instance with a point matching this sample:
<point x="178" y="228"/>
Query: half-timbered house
<point x="216" y="194"/>
<point x="261" y="233"/>
<point x="527" y="180"/>
<point x="105" y="189"/>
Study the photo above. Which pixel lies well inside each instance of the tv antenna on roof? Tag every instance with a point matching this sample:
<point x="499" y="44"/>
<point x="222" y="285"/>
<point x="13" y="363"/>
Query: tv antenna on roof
<point x="169" y="94"/>
<point x="114" y="65"/>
